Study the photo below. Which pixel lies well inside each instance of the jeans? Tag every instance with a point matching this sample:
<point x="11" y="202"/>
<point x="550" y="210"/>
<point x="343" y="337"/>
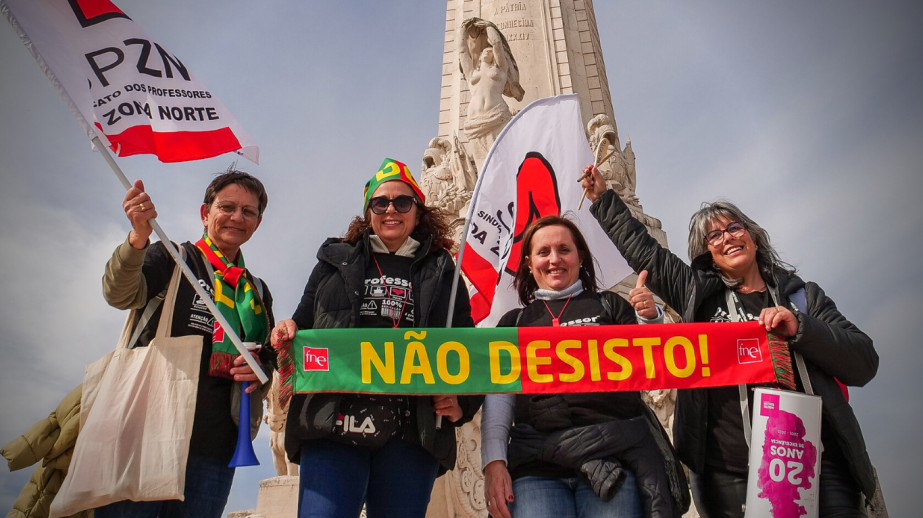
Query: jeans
<point x="537" y="497"/>
<point x="208" y="484"/>
<point x="720" y="494"/>
<point x="393" y="481"/>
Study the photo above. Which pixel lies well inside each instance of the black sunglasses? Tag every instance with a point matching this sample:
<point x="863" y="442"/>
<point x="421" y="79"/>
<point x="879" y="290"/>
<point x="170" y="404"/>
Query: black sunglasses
<point x="402" y="204"/>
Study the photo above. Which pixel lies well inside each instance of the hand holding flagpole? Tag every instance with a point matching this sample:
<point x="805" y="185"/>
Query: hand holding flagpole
<point x="193" y="280"/>
<point x="601" y="148"/>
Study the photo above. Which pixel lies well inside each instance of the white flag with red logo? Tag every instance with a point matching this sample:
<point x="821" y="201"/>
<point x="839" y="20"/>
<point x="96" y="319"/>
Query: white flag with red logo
<point x="122" y="85"/>
<point x="530" y="172"/>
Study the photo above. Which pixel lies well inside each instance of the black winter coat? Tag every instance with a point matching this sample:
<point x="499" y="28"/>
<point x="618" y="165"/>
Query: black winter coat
<point x="332" y="299"/>
<point x="598" y="452"/>
<point x="832" y="346"/>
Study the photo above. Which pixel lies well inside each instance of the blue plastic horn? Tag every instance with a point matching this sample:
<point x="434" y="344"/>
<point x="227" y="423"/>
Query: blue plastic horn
<point x="244" y="454"/>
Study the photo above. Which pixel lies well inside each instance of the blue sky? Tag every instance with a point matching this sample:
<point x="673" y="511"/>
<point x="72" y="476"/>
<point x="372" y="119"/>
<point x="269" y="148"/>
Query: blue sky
<point x="806" y="114"/>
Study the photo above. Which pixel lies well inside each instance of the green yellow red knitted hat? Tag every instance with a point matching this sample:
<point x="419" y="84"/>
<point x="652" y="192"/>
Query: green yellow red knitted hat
<point x="391" y="170"/>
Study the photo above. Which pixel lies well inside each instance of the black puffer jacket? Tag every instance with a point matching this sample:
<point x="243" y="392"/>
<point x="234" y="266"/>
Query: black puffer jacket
<point x="332" y="299"/>
<point x="832" y="347"/>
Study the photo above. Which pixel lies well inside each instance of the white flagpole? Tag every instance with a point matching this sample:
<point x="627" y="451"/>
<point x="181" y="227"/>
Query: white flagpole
<point x="187" y="272"/>
<point x="5" y="10"/>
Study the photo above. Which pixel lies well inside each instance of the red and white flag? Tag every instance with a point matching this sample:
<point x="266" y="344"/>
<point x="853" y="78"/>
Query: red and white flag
<point x="530" y="172"/>
<point x="122" y="85"/>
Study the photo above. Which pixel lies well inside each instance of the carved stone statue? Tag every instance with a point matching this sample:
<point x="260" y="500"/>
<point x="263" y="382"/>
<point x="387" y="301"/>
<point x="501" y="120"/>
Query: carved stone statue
<point x="662" y="402"/>
<point x="463" y="487"/>
<point x="487" y="63"/>
<point x="619" y="169"/>
<point x="615" y="168"/>
<point x="448" y="175"/>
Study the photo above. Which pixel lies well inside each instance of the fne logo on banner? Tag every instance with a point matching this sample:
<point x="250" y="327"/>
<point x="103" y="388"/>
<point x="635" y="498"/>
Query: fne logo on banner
<point x="748" y="351"/>
<point x="316" y="359"/>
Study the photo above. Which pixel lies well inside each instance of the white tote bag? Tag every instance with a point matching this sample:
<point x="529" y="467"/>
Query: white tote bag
<point x="135" y="421"/>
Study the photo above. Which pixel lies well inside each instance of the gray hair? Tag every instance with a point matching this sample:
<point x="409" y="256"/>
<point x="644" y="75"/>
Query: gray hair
<point x="766" y="256"/>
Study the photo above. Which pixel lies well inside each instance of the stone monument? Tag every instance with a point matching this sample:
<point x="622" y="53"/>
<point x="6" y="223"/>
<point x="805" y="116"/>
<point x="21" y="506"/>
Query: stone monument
<point x="499" y="56"/>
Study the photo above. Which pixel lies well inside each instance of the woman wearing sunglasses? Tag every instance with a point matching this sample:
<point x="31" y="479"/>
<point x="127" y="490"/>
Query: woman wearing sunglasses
<point x="392" y="269"/>
<point x="737" y="275"/>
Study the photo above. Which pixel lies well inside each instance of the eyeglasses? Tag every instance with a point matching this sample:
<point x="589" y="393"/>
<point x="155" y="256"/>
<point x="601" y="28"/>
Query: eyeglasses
<point x="402" y="204"/>
<point x="716" y="237"/>
<point x="229" y="209"/>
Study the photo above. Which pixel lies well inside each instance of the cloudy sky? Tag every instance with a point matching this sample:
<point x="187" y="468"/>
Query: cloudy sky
<point x="806" y="114"/>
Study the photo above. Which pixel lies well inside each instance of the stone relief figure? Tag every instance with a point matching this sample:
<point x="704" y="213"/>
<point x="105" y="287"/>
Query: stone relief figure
<point x="619" y="169"/>
<point x="275" y="418"/>
<point x="465" y="484"/>
<point x="615" y="168"/>
<point x="662" y="402"/>
<point x="447" y="175"/>
<point x="487" y="63"/>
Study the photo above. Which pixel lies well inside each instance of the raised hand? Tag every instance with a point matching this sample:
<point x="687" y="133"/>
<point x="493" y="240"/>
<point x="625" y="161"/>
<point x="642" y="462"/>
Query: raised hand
<point x="642" y="299"/>
<point x="593" y="182"/>
<point x="140" y="210"/>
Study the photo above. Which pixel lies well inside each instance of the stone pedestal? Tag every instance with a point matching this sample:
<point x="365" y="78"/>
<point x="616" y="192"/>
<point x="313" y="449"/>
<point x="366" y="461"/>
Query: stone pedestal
<point x="278" y="498"/>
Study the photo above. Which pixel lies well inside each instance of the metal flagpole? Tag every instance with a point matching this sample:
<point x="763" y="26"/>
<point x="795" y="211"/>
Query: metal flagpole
<point x="206" y="298"/>
<point x="91" y="132"/>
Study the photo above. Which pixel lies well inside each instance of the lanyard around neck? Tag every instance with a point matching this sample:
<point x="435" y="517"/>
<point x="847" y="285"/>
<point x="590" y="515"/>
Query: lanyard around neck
<point x="556" y="320"/>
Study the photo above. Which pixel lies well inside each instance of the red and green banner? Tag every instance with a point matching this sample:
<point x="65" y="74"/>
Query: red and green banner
<point x="532" y="360"/>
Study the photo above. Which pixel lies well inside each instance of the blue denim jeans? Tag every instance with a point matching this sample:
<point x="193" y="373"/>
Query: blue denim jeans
<point x="393" y="481"/>
<point x="539" y="497"/>
<point x="208" y="484"/>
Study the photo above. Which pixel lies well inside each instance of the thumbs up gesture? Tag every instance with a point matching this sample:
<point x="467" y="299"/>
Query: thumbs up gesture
<point x="642" y="299"/>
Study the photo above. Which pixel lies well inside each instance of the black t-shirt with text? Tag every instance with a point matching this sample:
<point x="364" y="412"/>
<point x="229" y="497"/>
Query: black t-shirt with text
<point x="387" y="299"/>
<point x="388" y="296"/>
<point x="214" y="433"/>
<point x="726" y="447"/>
